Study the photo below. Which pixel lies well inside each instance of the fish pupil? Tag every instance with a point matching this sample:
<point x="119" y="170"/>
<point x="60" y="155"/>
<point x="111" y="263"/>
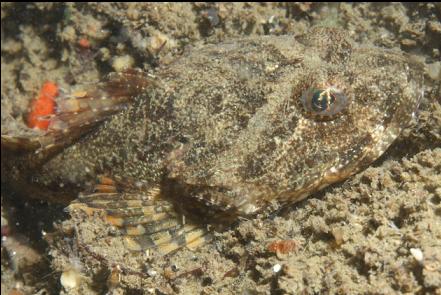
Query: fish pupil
<point x="322" y="100"/>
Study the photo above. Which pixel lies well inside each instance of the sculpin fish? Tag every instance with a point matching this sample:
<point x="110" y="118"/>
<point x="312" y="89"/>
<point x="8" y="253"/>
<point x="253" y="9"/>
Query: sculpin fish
<point x="222" y="132"/>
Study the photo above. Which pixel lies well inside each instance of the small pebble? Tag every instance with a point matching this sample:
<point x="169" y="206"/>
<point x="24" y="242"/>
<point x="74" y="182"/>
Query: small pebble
<point x="434" y="27"/>
<point x="417" y="254"/>
<point x="70" y="279"/>
<point x="174" y="267"/>
<point x="121" y="63"/>
<point x="277" y="268"/>
<point x="408" y="42"/>
<point x="69" y="34"/>
<point x="434" y="71"/>
<point x="151" y="272"/>
<point x="156" y="42"/>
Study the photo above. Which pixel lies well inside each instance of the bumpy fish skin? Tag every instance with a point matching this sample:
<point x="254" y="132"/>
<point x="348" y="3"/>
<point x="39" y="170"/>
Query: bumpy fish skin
<point x="225" y="126"/>
<point x="222" y="132"/>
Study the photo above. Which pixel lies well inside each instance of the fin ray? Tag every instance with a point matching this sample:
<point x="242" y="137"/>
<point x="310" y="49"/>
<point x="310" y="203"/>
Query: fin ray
<point x="77" y="113"/>
<point x="145" y="222"/>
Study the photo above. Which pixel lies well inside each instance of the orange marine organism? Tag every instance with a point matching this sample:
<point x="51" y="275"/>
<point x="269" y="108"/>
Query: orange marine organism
<point x="43" y="106"/>
<point x="283" y="246"/>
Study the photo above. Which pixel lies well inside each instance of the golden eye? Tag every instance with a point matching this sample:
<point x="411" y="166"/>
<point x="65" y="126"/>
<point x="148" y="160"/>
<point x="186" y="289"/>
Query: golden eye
<point x="324" y="103"/>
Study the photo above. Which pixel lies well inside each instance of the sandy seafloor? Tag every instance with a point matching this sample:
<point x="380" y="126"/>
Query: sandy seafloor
<point x="379" y="232"/>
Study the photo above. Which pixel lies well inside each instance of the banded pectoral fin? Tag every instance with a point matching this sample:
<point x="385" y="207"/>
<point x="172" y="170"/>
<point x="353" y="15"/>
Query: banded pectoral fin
<point x="144" y="220"/>
<point x="75" y="113"/>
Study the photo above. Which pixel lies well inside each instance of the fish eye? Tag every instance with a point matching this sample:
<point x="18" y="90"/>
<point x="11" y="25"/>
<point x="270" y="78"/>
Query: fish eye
<point x="324" y="103"/>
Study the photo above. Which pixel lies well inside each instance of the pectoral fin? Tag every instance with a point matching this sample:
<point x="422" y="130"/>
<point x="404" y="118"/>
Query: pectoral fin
<point x="144" y="219"/>
<point x="78" y="112"/>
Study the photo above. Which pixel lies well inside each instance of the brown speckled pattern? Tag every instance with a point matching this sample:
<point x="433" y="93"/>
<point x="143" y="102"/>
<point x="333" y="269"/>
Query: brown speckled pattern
<point x="226" y="126"/>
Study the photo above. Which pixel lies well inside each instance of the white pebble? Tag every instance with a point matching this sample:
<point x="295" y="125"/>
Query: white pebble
<point x="151" y="272"/>
<point x="277" y="268"/>
<point x="70" y="279"/>
<point x="417" y="254"/>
